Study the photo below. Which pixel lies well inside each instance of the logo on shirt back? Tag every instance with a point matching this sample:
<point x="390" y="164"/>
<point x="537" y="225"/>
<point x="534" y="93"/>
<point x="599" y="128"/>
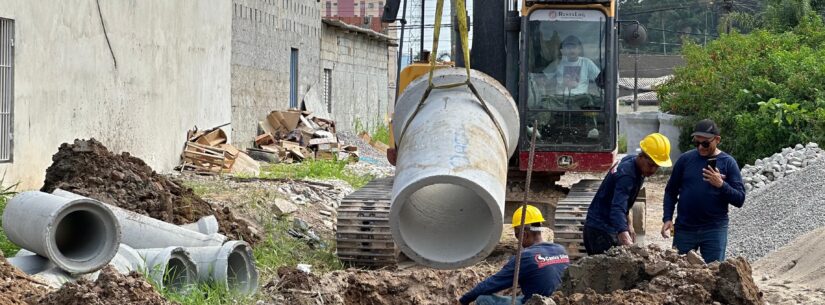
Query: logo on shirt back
<point x="544" y="261"/>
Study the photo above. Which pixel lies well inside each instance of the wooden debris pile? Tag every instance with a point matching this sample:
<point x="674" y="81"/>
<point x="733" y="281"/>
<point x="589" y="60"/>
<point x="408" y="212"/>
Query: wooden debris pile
<point x="206" y="152"/>
<point x="293" y="136"/>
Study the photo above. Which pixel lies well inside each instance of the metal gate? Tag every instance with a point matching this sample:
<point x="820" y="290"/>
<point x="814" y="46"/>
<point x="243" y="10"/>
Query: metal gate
<point x="293" y="78"/>
<point x="6" y="88"/>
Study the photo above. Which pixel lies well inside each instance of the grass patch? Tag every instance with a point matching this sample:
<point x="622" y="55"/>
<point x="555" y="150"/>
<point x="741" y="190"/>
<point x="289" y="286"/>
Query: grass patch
<point x="6" y="245"/>
<point x="318" y="169"/>
<point x="622" y="144"/>
<point x="203" y="294"/>
<point x="279" y="249"/>
<point x="379" y="132"/>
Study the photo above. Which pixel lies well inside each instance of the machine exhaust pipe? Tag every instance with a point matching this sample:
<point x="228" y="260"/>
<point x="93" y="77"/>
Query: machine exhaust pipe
<point x="144" y="232"/>
<point x="232" y="266"/>
<point x="77" y="235"/>
<point x="171" y="267"/>
<point x="449" y="190"/>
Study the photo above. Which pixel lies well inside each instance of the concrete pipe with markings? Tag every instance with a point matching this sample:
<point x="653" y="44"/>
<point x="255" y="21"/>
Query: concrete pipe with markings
<point x="77" y="235"/>
<point x="171" y="268"/>
<point x="449" y="189"/>
<point x="231" y="266"/>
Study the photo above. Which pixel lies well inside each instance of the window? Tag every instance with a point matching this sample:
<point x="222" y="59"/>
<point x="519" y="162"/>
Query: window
<point x="6" y="88"/>
<point x="371" y="5"/>
<point x="293" y="79"/>
<point x="565" y="94"/>
<point x="363" y="9"/>
<point x="328" y="89"/>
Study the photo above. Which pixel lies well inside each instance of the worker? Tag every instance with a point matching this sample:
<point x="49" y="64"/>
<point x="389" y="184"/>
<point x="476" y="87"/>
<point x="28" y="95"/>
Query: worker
<point x="574" y="71"/>
<point x="704" y="182"/>
<point x="608" y="223"/>
<point x="541" y="269"/>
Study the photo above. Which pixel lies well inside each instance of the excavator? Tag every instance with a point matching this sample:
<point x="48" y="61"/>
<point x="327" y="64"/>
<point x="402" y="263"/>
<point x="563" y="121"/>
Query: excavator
<point x="559" y="61"/>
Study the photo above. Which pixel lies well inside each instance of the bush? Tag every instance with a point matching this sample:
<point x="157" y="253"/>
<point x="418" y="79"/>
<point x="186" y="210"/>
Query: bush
<point x="765" y="90"/>
<point x="7" y="247"/>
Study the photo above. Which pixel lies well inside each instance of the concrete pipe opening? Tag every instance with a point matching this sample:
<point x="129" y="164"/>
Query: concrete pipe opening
<point x="80" y="235"/>
<point x="238" y="273"/>
<point x="171" y="267"/>
<point x="448" y="224"/>
<point x="179" y="274"/>
<point x="451" y="168"/>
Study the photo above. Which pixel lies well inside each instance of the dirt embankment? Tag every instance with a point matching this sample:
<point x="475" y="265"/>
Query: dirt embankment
<point x="16" y="288"/>
<point x="89" y="169"/>
<point x="110" y="288"/>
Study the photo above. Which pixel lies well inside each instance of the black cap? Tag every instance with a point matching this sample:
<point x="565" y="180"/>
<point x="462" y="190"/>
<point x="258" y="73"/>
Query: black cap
<point x="571" y="40"/>
<point x="705" y="128"/>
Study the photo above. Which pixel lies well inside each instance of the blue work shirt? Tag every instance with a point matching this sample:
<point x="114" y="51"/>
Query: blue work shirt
<point x="701" y="205"/>
<point x="542" y="266"/>
<point x="609" y="208"/>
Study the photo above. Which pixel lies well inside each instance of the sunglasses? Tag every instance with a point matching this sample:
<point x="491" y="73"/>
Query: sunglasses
<point x="704" y="144"/>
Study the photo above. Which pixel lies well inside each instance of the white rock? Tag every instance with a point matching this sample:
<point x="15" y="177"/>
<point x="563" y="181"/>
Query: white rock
<point x="759" y="162"/>
<point x="811" y="145"/>
<point x="799" y="147"/>
<point x="748" y="187"/>
<point x="760" y="185"/>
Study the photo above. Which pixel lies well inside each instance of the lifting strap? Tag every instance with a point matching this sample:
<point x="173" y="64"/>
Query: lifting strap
<point x="460" y="10"/>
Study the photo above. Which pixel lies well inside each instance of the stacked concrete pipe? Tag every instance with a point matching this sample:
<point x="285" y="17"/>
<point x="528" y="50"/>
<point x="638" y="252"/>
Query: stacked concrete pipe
<point x="169" y="254"/>
<point x="451" y="170"/>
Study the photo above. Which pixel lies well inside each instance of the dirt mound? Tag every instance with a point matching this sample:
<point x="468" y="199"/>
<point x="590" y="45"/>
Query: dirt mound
<point x="110" y="288"/>
<point x="638" y="275"/>
<point x="418" y="286"/>
<point x="89" y="169"/>
<point x="16" y="286"/>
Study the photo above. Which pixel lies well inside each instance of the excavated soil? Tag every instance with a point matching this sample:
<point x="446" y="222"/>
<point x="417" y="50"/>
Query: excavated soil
<point x="87" y="168"/>
<point x="637" y="275"/>
<point x="110" y="288"/>
<point x="16" y="287"/>
<point x="419" y="286"/>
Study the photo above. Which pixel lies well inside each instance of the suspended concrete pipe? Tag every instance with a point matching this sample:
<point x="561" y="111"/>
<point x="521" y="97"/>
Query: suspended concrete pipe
<point x="171" y="267"/>
<point x="231" y="266"/>
<point x="449" y="189"/>
<point x="77" y="235"/>
<point x="144" y="232"/>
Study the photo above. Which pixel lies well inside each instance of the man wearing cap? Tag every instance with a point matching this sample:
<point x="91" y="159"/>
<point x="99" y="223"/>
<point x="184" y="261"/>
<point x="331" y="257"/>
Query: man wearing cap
<point x="542" y="266"/>
<point x="701" y="193"/>
<point x="607" y="223"/>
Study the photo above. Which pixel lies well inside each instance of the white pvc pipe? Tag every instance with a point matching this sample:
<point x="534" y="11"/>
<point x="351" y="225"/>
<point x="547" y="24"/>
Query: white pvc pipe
<point x="231" y="266"/>
<point x="77" y="235"/>
<point x="170" y="267"/>
<point x="449" y="189"/>
<point x="144" y="232"/>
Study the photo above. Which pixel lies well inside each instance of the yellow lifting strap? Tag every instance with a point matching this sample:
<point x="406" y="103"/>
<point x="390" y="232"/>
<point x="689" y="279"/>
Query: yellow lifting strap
<point x="460" y="10"/>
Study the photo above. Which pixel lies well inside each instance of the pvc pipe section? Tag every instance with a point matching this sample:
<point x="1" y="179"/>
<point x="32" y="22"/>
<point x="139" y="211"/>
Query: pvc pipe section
<point x="170" y="267"/>
<point x="77" y="235"/>
<point x="144" y="232"/>
<point x="231" y="266"/>
<point x="448" y="195"/>
<point x="206" y="225"/>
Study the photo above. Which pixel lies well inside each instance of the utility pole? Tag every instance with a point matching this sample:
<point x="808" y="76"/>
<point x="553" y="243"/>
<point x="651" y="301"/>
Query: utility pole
<point x="664" y="41"/>
<point x="423" y="18"/>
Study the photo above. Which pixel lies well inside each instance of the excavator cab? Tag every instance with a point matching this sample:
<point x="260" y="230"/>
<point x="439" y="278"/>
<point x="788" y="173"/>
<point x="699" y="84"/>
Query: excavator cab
<point x="567" y="85"/>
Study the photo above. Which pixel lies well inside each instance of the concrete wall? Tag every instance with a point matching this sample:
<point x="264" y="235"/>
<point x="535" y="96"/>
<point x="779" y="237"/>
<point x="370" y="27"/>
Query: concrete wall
<point x="263" y="34"/>
<point x="172" y="74"/>
<point x="359" y="77"/>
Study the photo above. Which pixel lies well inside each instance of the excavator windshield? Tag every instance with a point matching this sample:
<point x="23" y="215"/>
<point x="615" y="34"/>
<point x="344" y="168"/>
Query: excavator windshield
<point x="565" y="80"/>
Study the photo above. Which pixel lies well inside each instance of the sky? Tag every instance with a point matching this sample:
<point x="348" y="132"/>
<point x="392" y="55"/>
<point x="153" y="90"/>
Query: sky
<point x="429" y="10"/>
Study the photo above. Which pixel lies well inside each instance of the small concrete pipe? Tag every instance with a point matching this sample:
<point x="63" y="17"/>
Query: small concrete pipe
<point x="29" y="262"/>
<point x="451" y="170"/>
<point x="77" y="235"/>
<point x="231" y="266"/>
<point x="144" y="232"/>
<point x="206" y="225"/>
<point x="170" y="267"/>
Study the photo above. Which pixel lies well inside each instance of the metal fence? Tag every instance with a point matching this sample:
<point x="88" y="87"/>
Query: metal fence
<point x="6" y="88"/>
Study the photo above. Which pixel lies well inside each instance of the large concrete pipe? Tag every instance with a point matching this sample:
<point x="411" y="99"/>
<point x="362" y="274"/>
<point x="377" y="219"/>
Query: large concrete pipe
<point x="171" y="267"/>
<point x="143" y="232"/>
<point x="231" y="266"/>
<point x="448" y="195"/>
<point x="78" y="235"/>
<point x="125" y="261"/>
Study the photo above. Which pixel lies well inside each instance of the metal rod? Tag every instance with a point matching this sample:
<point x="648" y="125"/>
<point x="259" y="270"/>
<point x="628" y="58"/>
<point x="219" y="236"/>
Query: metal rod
<point x="636" y="81"/>
<point x="524" y="209"/>
<point x="421" y="52"/>
<point x="400" y="51"/>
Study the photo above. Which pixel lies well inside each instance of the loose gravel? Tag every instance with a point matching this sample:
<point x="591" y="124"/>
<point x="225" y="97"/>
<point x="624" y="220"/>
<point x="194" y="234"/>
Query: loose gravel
<point x="791" y="159"/>
<point x="777" y="213"/>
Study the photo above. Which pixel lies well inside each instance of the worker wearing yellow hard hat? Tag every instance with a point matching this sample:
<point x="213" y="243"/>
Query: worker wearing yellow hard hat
<point x="607" y="224"/>
<point x="542" y="265"/>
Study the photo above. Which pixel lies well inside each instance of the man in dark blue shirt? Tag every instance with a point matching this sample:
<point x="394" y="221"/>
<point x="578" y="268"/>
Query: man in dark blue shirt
<point x="542" y="266"/>
<point x="701" y="190"/>
<point x="607" y="224"/>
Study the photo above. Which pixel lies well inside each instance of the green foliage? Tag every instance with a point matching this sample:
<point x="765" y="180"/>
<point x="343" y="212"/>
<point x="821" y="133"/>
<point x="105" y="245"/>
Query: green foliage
<point x="378" y="132"/>
<point x="6" y="246"/>
<point x="766" y="90"/>
<point x="622" y="144"/>
<point x="202" y="294"/>
<point x="319" y="169"/>
<point x="280" y="249"/>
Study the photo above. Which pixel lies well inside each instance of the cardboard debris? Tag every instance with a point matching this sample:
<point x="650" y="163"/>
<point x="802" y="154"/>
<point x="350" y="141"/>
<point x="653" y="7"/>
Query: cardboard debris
<point x="244" y="164"/>
<point x="206" y="152"/>
<point x="378" y="145"/>
<point x="212" y="138"/>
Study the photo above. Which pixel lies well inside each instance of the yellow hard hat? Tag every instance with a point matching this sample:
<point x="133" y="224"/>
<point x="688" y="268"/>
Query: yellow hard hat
<point x="533" y="216"/>
<point x="657" y="146"/>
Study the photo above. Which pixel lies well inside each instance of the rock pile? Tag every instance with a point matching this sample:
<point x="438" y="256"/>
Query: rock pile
<point x="781" y="164"/>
